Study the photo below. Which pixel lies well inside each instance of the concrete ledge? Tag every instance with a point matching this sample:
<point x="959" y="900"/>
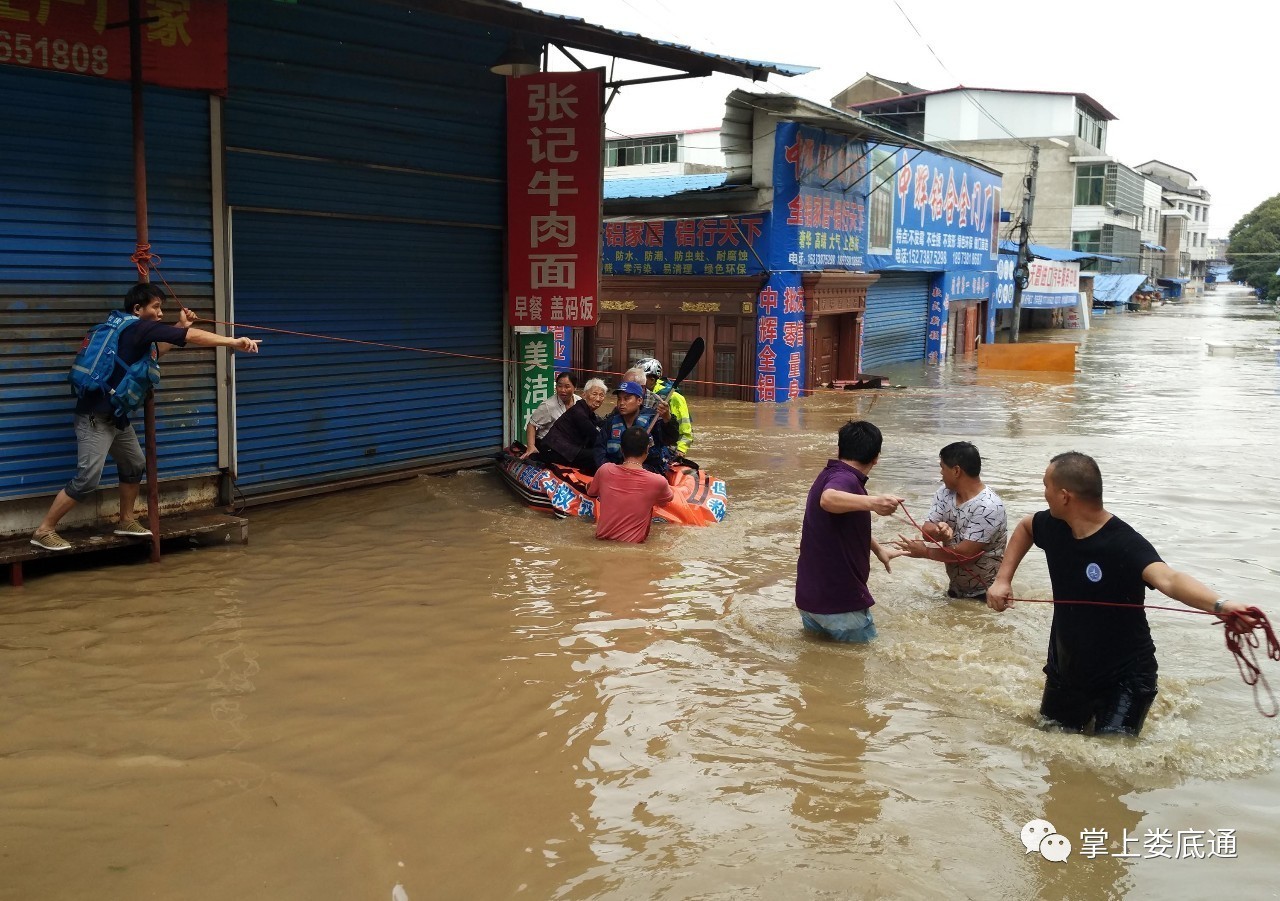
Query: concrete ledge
<point x="1055" y="357"/>
<point x="205" y="527"/>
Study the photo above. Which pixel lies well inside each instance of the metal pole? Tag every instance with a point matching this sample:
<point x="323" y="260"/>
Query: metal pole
<point x="143" y="239"/>
<point x="1023" y="269"/>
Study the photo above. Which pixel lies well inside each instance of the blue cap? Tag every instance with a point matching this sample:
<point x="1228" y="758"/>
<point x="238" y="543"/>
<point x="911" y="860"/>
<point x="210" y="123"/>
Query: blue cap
<point x="629" y="388"/>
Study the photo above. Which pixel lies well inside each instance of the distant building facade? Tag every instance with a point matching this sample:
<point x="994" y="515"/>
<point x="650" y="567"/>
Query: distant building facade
<point x="690" y="152"/>
<point x="1086" y="199"/>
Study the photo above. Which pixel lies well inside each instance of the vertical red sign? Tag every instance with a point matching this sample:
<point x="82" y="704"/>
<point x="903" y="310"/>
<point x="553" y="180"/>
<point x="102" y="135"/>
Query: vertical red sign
<point x="184" y="42"/>
<point x="555" y="186"/>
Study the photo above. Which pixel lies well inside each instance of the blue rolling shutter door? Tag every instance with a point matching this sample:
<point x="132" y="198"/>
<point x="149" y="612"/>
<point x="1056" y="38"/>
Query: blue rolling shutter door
<point x="897" y="319"/>
<point x="366" y="176"/>
<point x="66" y="235"/>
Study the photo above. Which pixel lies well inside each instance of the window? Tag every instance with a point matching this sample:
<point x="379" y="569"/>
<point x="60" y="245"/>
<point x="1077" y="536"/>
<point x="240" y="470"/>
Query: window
<point x="1090" y="182"/>
<point x="726" y="374"/>
<point x="1087" y="241"/>
<point x="880" y="215"/>
<point x="638" y="151"/>
<point x="1089" y="128"/>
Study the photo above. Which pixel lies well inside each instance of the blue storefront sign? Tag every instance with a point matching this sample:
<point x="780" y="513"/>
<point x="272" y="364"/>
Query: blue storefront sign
<point x="819" y="200"/>
<point x="562" y="336"/>
<point x="1050" y="284"/>
<point x="715" y="245"/>
<point x="948" y="287"/>
<point x="930" y="212"/>
<point x="780" y="350"/>
<point x="841" y="203"/>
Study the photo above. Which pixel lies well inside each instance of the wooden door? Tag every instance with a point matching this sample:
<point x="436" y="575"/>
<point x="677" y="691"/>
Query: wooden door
<point x="850" y="332"/>
<point x="825" y="351"/>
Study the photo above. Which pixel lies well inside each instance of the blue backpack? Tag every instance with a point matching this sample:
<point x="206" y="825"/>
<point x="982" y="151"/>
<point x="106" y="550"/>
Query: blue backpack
<point x="96" y="363"/>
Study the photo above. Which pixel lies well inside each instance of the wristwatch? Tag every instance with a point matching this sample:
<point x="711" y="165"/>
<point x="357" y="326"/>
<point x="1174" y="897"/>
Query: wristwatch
<point x="1217" y="605"/>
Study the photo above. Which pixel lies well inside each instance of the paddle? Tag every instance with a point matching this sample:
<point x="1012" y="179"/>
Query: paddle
<point x="686" y="365"/>
<point x="686" y="368"/>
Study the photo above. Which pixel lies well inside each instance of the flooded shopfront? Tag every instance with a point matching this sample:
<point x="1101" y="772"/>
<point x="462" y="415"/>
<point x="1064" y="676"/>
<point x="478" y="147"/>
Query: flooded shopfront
<point x="425" y="684"/>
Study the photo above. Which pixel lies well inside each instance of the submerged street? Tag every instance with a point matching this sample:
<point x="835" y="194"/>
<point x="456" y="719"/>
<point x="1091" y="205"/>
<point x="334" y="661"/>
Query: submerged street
<point x="425" y="683"/>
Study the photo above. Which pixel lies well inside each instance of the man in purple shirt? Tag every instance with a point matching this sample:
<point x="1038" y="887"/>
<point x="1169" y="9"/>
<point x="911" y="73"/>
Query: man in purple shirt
<point x="836" y="543"/>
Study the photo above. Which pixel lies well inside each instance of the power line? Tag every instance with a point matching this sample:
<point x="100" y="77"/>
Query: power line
<point x="963" y="90"/>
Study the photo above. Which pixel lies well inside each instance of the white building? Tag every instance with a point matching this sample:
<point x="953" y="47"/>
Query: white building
<point x="1181" y="195"/>
<point x="664" y="154"/>
<point x="1085" y="198"/>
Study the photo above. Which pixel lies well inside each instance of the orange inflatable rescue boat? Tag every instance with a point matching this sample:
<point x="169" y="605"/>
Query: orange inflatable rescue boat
<point x="700" y="500"/>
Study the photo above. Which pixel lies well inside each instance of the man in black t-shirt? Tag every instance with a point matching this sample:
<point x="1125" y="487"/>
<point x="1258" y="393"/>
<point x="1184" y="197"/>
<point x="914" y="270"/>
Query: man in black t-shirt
<point x="1102" y="662"/>
<point x="102" y="432"/>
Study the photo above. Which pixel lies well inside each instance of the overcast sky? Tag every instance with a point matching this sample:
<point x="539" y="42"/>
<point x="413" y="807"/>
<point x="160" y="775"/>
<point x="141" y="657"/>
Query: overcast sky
<point x="1194" y="85"/>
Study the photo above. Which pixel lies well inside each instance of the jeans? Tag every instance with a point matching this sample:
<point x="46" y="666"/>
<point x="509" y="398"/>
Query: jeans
<point x="856" y="627"/>
<point x="96" y="437"/>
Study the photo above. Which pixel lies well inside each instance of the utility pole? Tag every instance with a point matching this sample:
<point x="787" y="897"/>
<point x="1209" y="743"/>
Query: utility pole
<point x="1023" y="270"/>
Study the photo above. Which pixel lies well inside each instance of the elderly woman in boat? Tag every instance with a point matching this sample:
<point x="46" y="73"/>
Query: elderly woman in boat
<point x="572" y="438"/>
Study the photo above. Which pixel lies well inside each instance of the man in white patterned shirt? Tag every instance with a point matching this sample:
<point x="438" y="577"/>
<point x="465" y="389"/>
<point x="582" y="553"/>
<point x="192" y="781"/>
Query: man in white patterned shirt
<point x="967" y="523"/>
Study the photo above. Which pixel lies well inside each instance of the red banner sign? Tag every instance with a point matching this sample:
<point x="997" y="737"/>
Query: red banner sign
<point x="555" y="186"/>
<point x="184" y="42"/>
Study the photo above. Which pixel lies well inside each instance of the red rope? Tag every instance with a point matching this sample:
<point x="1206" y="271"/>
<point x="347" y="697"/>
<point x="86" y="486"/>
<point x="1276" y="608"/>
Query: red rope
<point x="1239" y="634"/>
<point x="145" y="261"/>
<point x="1241" y="638"/>
<point x="1243" y="643"/>
<point x="956" y="556"/>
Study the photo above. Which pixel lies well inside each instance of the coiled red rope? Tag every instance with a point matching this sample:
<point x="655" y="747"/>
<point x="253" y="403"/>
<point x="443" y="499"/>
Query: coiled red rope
<point x="1243" y="643"/>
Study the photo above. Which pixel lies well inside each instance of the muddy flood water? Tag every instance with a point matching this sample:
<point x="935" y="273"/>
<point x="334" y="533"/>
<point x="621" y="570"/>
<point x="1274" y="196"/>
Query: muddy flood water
<point x="425" y="684"/>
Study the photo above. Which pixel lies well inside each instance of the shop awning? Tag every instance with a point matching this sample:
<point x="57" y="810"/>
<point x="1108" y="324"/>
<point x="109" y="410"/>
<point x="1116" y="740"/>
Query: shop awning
<point x="1172" y="281"/>
<point x="1116" y="288"/>
<point x="1053" y="253"/>
<point x="661" y="186"/>
<point x="1152" y="246"/>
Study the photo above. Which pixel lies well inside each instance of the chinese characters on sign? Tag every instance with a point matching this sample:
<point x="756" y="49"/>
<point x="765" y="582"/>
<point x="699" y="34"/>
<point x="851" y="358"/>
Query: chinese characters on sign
<point x="534" y="382"/>
<point x="1050" y="283"/>
<point x="563" y="337"/>
<point x="184" y="42"/>
<point x="947" y="214"/>
<point x="722" y="245"/>
<point x="555" y="172"/>
<point x="780" y="334"/>
<point x="820" y="193"/>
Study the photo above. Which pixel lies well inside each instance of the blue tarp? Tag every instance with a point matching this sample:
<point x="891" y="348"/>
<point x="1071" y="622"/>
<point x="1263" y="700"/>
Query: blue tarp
<point x="1053" y="253"/>
<point x="661" y="186"/>
<point x="1116" y="288"/>
<point x="1152" y="246"/>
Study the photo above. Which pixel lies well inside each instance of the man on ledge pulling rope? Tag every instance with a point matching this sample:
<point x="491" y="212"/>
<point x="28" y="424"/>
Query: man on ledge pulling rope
<point x="1102" y="661"/>
<point x="101" y="419"/>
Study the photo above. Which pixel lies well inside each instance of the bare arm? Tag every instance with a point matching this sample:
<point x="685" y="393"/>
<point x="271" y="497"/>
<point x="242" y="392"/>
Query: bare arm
<point x="200" y="338"/>
<point x="1190" y="591"/>
<point x="1000" y="594"/>
<point x="927" y="550"/>
<point x="530" y="434"/>
<point x="836" y="501"/>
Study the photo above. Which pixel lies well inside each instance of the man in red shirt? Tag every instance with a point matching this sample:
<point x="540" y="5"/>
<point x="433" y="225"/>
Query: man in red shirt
<point x="628" y="493"/>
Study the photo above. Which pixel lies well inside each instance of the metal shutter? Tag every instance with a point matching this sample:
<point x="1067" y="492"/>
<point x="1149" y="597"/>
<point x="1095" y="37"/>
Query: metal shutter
<point x="366" y="176"/>
<point x="897" y="319"/>
<point x="66" y="235"/>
